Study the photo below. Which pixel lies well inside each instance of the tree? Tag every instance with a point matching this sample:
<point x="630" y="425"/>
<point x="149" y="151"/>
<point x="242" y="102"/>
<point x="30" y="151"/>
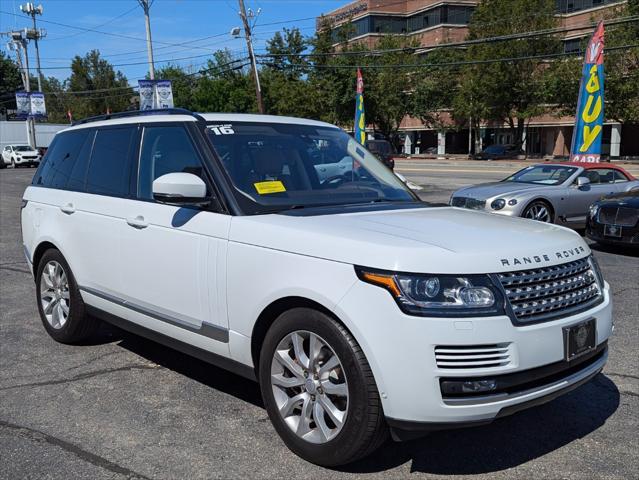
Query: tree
<point x="90" y="73"/>
<point x="224" y="86"/>
<point x="182" y="84"/>
<point x="388" y="88"/>
<point x="511" y="91"/>
<point x="10" y="82"/>
<point x="285" y="86"/>
<point x="436" y="87"/>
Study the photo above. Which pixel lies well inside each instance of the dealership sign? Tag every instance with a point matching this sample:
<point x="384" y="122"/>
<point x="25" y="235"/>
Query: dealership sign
<point x="586" y="139"/>
<point x="155" y="94"/>
<point x="30" y="105"/>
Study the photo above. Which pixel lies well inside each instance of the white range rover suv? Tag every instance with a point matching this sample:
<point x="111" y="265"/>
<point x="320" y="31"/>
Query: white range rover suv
<point x="359" y="309"/>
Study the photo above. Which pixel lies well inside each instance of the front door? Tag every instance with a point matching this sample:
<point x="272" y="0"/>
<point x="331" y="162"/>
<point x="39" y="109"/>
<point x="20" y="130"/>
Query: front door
<point x="580" y="198"/>
<point x="173" y="256"/>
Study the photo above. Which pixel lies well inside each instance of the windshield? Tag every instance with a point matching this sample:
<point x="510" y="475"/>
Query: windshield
<point x="277" y="167"/>
<point x="542" y="174"/>
<point x="22" y="148"/>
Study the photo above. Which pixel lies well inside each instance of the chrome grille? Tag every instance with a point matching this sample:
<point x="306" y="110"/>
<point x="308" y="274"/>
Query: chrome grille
<point x="472" y="356"/>
<point x="466" y="202"/>
<point x="551" y="292"/>
<point x="623" y="216"/>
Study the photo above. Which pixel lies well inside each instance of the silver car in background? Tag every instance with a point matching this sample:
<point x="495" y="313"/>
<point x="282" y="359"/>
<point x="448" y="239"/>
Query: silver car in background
<point x="549" y="192"/>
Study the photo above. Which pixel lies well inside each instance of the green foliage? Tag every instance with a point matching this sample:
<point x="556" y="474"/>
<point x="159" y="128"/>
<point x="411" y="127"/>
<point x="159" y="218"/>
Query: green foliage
<point x="511" y="92"/>
<point x="94" y="73"/>
<point x="10" y="82"/>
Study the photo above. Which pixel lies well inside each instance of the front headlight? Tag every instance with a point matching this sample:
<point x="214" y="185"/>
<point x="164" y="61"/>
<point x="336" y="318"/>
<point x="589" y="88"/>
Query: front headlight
<point x="439" y="295"/>
<point x="594" y="209"/>
<point x="498" y="204"/>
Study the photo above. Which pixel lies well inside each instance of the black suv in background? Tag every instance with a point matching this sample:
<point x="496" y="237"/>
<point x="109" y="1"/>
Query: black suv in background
<point x="383" y="150"/>
<point x="498" y="152"/>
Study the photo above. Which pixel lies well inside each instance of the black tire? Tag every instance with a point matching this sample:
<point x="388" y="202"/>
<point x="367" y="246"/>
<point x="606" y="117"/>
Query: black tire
<point x="528" y="211"/>
<point x="364" y="429"/>
<point x="78" y="326"/>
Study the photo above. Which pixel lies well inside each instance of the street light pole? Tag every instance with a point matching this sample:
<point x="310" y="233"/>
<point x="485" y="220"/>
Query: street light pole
<point x="149" y="43"/>
<point x="19" y="43"/>
<point x="249" y="46"/>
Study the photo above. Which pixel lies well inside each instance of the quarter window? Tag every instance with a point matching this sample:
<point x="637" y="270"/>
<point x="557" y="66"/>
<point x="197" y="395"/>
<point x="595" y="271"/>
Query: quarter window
<point x="109" y="171"/>
<point x="165" y="150"/>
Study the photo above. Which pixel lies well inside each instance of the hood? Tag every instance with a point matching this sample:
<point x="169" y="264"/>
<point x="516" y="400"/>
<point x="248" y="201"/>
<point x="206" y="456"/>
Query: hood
<point x="427" y="240"/>
<point x="484" y="191"/>
<point x="627" y="199"/>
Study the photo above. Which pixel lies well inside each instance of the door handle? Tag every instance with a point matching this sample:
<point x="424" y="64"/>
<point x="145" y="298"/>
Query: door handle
<point x="68" y="208"/>
<point x="137" y="222"/>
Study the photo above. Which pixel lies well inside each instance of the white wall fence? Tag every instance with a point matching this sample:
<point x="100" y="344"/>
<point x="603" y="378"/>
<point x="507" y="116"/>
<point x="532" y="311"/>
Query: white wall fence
<point x="15" y="133"/>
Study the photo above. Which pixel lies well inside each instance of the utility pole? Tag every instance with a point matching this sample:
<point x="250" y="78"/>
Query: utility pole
<point x="249" y="46"/>
<point x="149" y="43"/>
<point x="35" y="34"/>
<point x="19" y="43"/>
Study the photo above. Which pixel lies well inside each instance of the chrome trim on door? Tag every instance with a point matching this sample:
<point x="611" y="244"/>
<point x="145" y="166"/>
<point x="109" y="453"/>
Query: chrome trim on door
<point x="209" y="330"/>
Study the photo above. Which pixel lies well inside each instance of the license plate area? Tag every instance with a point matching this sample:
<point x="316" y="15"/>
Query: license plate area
<point x="580" y="339"/>
<point x="612" y="231"/>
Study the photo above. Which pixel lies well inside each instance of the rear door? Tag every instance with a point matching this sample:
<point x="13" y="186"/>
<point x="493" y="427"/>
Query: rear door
<point x="97" y="209"/>
<point x="173" y="258"/>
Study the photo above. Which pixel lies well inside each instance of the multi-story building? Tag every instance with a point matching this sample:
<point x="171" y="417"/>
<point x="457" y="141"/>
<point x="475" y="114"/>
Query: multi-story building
<point x="433" y="22"/>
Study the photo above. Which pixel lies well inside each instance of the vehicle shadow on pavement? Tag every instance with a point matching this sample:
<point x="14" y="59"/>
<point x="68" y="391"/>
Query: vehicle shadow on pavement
<point x="506" y="443"/>
<point x="186" y="365"/>
<point x="615" y="249"/>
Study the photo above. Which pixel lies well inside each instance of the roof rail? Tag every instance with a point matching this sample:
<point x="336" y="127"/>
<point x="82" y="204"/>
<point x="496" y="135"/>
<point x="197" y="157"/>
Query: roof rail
<point x="135" y="113"/>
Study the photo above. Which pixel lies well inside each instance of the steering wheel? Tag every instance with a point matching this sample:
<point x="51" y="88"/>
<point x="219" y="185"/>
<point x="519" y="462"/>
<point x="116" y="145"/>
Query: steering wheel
<point x="337" y="180"/>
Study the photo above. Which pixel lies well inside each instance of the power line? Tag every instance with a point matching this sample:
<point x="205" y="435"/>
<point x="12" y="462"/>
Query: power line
<point x="501" y="38"/>
<point x="93" y="30"/>
<point x="66" y="37"/>
<point x="453" y="64"/>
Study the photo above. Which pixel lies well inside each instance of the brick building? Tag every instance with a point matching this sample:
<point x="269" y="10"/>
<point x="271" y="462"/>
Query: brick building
<point x="434" y="22"/>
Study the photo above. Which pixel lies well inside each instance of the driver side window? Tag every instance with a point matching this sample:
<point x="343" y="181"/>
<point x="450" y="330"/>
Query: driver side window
<point x="166" y="150"/>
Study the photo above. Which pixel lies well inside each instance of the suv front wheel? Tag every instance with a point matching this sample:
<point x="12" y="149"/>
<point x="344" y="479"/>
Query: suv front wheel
<point x="60" y="304"/>
<point x="319" y="390"/>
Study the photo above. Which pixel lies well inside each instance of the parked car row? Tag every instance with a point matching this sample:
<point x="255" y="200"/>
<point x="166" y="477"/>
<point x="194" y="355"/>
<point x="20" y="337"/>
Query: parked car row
<point x="602" y="197"/>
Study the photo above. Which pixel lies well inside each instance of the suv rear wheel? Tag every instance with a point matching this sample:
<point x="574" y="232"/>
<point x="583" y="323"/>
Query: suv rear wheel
<point x="319" y="390"/>
<point x="60" y="304"/>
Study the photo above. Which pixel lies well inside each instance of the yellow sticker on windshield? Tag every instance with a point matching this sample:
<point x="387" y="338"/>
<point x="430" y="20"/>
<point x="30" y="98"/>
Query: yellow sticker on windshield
<point x="272" y="186"/>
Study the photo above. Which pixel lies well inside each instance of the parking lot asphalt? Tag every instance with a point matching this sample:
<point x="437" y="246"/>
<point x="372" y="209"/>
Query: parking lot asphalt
<point x="124" y="407"/>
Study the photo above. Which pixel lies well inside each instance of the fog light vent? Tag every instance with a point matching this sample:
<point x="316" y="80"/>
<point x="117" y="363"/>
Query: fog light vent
<point x="472" y="356"/>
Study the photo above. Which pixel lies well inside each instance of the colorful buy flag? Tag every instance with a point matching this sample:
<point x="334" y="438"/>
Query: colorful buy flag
<point x="586" y="139"/>
<point x="360" y="121"/>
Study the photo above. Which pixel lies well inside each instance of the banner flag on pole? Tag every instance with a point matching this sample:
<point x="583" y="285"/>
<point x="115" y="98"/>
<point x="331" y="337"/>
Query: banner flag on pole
<point x="586" y="139"/>
<point x="360" y="119"/>
<point x="155" y="94"/>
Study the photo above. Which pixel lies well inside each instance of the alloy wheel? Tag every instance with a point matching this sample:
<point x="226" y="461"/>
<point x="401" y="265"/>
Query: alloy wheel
<point x="538" y="211"/>
<point x="309" y="386"/>
<point x="54" y="294"/>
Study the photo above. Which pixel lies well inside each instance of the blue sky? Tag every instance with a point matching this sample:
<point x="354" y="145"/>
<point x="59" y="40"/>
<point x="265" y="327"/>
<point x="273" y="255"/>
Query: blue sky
<point x="172" y="22"/>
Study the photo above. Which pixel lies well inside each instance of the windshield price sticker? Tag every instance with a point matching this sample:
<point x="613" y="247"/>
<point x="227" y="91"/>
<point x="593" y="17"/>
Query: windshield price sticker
<point x="226" y="129"/>
<point x="271" y="186"/>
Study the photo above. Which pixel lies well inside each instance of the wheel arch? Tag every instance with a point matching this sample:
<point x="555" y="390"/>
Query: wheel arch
<point x="270" y="313"/>
<point x="39" y="251"/>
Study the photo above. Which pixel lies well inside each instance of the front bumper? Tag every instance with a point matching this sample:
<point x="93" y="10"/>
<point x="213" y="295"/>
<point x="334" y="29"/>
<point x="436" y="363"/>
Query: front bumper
<point x="629" y="234"/>
<point x="401" y="351"/>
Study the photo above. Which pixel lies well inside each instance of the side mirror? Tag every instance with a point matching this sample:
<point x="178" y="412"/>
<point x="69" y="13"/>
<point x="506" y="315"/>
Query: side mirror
<point x="583" y="181"/>
<point x="180" y="189"/>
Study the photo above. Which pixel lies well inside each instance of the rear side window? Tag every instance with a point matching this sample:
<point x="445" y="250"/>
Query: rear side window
<point x="60" y="159"/>
<point x="109" y="169"/>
